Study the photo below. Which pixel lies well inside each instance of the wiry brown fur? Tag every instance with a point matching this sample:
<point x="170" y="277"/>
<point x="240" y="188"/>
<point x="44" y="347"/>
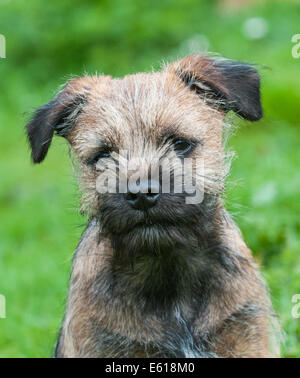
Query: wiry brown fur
<point x="178" y="281"/>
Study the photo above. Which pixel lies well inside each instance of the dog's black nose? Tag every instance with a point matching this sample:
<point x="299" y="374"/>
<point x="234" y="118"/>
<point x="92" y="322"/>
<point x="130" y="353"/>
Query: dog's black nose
<point x="143" y="196"/>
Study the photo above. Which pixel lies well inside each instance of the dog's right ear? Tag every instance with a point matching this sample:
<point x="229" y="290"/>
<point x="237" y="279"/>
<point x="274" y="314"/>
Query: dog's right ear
<point x="59" y="115"/>
<point x="225" y="84"/>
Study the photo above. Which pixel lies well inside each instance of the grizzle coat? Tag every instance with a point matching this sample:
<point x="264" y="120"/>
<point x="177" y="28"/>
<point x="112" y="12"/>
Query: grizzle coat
<point x="176" y="280"/>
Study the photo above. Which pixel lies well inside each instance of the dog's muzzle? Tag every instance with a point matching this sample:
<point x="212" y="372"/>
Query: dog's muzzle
<point x="143" y="195"/>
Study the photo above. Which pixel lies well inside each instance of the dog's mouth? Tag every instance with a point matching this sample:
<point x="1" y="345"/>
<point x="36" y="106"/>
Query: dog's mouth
<point x="170" y="214"/>
<point x="138" y="221"/>
<point x="151" y="223"/>
<point x="171" y="225"/>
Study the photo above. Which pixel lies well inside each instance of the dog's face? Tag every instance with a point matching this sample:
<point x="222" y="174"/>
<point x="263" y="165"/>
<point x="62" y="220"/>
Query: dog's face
<point x="141" y="130"/>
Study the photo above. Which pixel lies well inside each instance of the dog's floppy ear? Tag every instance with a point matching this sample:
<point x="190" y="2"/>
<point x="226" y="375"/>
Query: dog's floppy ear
<point x="224" y="83"/>
<point x="57" y="116"/>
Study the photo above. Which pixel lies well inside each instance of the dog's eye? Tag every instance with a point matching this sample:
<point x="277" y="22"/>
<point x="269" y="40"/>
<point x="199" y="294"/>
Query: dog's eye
<point x="92" y="160"/>
<point x="182" y="146"/>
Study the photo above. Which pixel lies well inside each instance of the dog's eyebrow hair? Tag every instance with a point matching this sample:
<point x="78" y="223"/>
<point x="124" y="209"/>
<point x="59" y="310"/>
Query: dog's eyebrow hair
<point x="174" y="134"/>
<point x="171" y="133"/>
<point x="103" y="144"/>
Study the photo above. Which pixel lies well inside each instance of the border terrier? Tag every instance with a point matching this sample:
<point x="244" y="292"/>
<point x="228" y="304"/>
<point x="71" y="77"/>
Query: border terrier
<point x="157" y="273"/>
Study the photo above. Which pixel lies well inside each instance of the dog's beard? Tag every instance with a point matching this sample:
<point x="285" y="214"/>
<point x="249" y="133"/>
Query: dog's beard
<point x="170" y="224"/>
<point x="166" y="254"/>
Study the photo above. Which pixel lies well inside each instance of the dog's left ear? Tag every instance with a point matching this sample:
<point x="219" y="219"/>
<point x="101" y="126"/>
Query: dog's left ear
<point x="226" y="84"/>
<point x="57" y="116"/>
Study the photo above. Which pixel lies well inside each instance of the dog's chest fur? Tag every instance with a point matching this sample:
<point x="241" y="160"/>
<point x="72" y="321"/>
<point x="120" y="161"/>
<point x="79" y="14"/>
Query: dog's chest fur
<point x="176" y="339"/>
<point x="178" y="316"/>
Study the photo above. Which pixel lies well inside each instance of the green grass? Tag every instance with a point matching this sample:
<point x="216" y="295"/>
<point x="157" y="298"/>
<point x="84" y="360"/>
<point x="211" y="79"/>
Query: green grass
<point x="40" y="225"/>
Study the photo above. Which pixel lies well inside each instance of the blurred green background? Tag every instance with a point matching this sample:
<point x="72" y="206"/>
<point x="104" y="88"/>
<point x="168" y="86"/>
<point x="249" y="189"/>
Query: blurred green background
<point x="40" y="225"/>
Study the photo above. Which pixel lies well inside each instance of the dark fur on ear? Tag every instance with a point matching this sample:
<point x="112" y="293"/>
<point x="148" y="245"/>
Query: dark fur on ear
<point x="227" y="84"/>
<point x="59" y="115"/>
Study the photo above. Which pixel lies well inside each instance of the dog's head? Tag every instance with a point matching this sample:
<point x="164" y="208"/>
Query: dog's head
<point x="142" y="136"/>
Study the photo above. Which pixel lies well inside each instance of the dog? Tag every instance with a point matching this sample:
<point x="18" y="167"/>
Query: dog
<point x="156" y="273"/>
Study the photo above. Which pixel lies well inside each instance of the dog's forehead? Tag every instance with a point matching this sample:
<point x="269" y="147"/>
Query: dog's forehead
<point x="149" y="105"/>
